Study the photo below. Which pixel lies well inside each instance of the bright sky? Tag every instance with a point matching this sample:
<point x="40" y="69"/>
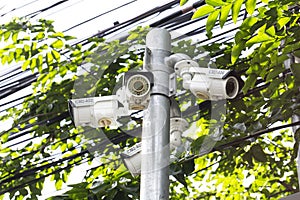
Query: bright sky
<point x="65" y="16"/>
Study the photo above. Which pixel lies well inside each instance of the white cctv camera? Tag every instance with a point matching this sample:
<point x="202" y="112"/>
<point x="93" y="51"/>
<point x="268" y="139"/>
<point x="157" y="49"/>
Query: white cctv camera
<point x="137" y="89"/>
<point x="177" y="126"/>
<point x="208" y="83"/>
<point x="132" y="159"/>
<point x="103" y="111"/>
<point x="132" y="156"/>
<point x="95" y="111"/>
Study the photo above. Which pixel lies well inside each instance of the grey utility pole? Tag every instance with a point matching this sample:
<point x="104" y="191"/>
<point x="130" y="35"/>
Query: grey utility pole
<point x="135" y="94"/>
<point x="156" y="125"/>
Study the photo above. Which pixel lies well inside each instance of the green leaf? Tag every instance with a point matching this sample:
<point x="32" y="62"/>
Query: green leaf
<point x="295" y="68"/>
<point x="188" y="167"/>
<point x="33" y="64"/>
<point x="271" y="31"/>
<point x="56" y="55"/>
<point x="259" y="39"/>
<point x="6" y="35"/>
<point x="23" y="191"/>
<point x="40" y="63"/>
<point x="63" y="71"/>
<point x="101" y="188"/>
<point x="57" y="35"/>
<point x="282" y="22"/>
<point x="248" y="23"/>
<point x="202" y="11"/>
<point x="63" y="147"/>
<point x="250" y="6"/>
<point x="278" y="60"/>
<point x="297" y="53"/>
<point x="236" y="9"/>
<point x="224" y="14"/>
<point x="4" y="137"/>
<point x="255" y="68"/>
<point x="249" y="83"/>
<point x="133" y="36"/>
<point x="40" y="36"/>
<point x="67" y="37"/>
<point x="197" y="144"/>
<point x="182" y="2"/>
<point x="248" y="157"/>
<point x="240" y="36"/>
<point x="97" y="172"/>
<point x="58" y="44"/>
<point x="181" y="179"/>
<point x="49" y="58"/>
<point x="291" y="47"/>
<point x="258" y="25"/>
<point x="58" y="184"/>
<point x="272" y="88"/>
<point x="4" y="59"/>
<point x="215" y="2"/>
<point x="211" y="20"/>
<point x="25" y="64"/>
<point x="258" y="153"/>
<point x="274" y="73"/>
<point x="236" y="51"/>
<point x="15" y="37"/>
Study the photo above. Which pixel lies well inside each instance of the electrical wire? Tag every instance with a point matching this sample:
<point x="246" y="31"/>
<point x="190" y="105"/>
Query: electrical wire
<point x="64" y="8"/>
<point x="31" y="15"/>
<point x="97" y="16"/>
<point x="17" y="8"/>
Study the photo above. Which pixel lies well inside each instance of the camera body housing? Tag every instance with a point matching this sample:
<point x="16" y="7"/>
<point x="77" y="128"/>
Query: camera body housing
<point x="132" y="159"/>
<point x="94" y="111"/>
<point x="208" y="83"/>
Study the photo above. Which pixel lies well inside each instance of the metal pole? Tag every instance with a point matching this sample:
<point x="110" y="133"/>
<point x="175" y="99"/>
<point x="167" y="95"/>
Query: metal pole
<point x="156" y="125"/>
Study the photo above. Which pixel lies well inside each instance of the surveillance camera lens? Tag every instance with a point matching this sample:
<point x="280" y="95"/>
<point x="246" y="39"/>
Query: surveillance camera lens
<point x="231" y="87"/>
<point x="138" y="85"/>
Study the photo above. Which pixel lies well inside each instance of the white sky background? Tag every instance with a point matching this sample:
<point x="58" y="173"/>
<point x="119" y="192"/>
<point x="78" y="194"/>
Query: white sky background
<point x="65" y="16"/>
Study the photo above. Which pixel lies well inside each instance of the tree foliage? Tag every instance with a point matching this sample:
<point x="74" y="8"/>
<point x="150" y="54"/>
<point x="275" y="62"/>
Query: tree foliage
<point x="255" y="157"/>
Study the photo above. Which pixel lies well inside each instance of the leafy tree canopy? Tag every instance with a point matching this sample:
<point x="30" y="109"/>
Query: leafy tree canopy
<point x="255" y="157"/>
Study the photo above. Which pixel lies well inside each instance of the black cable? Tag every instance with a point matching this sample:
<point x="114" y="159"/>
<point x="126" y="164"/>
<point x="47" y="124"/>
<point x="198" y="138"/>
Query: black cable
<point x="28" y="81"/>
<point x="11" y="189"/>
<point x="31" y="15"/>
<point x="14" y="100"/>
<point x="10" y="76"/>
<point x="109" y="11"/>
<point x="10" y="70"/>
<point x="63" y="8"/>
<point x="17" y="8"/>
<point x="171" y="17"/>
<point x="119" y="26"/>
